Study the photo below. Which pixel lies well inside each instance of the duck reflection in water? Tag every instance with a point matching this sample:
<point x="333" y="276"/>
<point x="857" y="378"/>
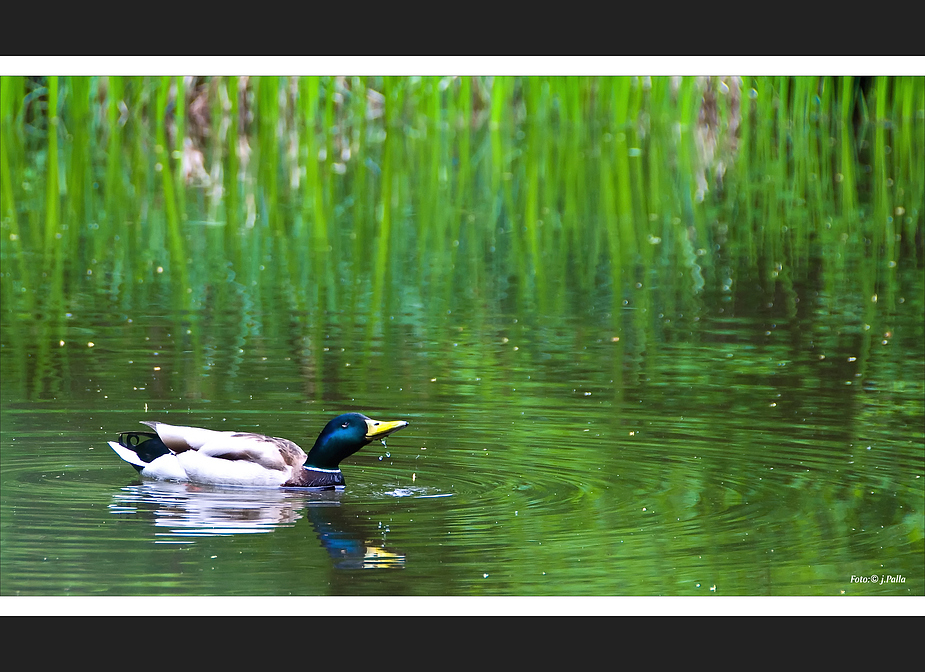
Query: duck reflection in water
<point x="186" y="510"/>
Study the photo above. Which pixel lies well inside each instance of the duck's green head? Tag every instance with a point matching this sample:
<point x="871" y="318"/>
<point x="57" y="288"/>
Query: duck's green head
<point x="345" y="435"/>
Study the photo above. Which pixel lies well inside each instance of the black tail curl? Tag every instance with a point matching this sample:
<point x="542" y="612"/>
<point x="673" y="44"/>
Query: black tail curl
<point x="146" y="445"/>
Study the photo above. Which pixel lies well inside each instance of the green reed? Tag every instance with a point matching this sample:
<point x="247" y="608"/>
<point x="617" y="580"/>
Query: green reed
<point x="10" y="165"/>
<point x="362" y="193"/>
<point x="178" y="259"/>
<point x="52" y="195"/>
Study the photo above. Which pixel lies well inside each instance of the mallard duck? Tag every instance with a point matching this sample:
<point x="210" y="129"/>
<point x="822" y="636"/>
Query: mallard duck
<point x="241" y="458"/>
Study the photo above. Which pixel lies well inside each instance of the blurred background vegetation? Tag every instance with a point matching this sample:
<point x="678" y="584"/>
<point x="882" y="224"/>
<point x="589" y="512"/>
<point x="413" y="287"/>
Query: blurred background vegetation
<point x="422" y="195"/>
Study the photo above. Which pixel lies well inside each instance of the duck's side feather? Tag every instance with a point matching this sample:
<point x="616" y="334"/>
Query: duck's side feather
<point x="200" y="468"/>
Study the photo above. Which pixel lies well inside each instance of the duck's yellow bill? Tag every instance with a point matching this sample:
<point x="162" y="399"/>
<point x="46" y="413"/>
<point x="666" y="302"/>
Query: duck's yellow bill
<point x="377" y="429"/>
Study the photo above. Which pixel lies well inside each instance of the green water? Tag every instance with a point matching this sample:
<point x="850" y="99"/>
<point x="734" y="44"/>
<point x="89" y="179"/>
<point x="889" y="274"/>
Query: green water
<point x="653" y="336"/>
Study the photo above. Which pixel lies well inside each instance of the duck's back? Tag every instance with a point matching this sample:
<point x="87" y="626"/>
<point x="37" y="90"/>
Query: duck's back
<point x="267" y="452"/>
<point x="179" y="438"/>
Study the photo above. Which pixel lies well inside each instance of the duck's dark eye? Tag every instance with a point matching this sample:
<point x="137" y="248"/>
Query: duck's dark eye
<point x="345" y="425"/>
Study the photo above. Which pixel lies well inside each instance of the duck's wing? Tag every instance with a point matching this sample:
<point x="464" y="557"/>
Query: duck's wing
<point x="180" y="439"/>
<point x="267" y="451"/>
